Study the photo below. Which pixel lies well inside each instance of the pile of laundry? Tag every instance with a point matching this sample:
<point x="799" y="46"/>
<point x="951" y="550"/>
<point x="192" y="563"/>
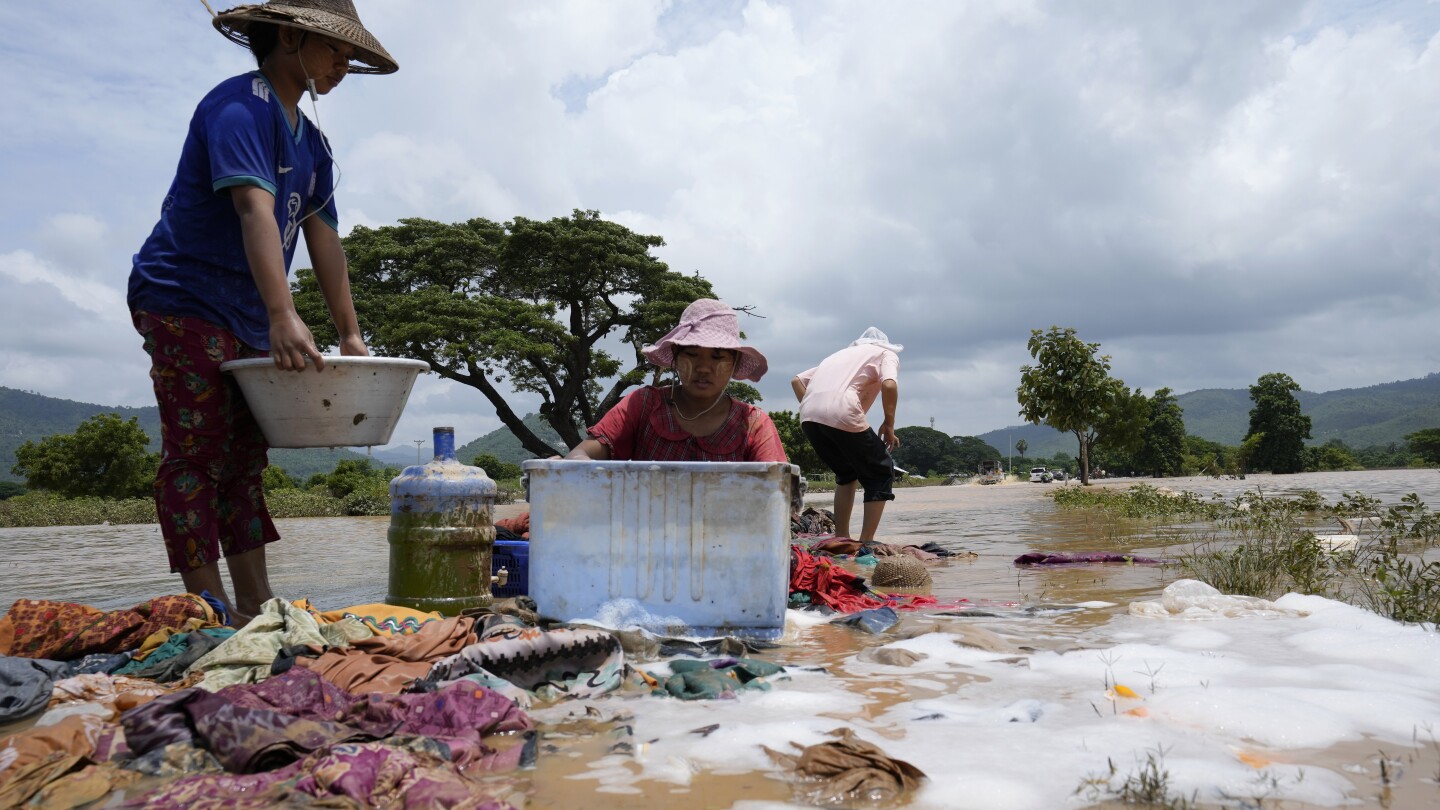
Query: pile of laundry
<point x="374" y="705"/>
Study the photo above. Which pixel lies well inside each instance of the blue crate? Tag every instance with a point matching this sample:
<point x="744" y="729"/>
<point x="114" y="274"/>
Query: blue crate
<point x="514" y="556"/>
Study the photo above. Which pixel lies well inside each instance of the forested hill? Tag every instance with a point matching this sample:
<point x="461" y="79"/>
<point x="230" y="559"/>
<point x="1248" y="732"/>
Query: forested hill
<point x="26" y="417"/>
<point x="502" y="444"/>
<point x="1360" y="417"/>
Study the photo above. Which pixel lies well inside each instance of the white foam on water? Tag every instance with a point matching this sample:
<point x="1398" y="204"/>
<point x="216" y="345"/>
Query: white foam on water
<point x="1228" y="697"/>
<point x="621" y="614"/>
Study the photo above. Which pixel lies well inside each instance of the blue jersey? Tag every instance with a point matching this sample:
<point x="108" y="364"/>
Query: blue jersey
<point x="194" y="262"/>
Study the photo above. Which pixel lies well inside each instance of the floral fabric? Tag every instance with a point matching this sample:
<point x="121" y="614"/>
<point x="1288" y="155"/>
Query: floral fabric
<point x="64" y="631"/>
<point x="208" y="492"/>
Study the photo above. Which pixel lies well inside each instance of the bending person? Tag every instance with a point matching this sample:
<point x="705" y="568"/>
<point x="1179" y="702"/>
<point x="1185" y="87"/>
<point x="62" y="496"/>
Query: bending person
<point x="834" y="398"/>
<point x="694" y="419"/>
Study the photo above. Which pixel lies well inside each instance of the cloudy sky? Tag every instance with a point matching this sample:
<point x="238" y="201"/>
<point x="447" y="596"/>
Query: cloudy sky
<point x="1212" y="191"/>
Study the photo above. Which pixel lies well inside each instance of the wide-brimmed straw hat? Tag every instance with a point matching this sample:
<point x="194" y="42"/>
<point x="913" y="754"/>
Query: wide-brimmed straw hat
<point x="333" y="18"/>
<point x="709" y="324"/>
<point x="875" y="336"/>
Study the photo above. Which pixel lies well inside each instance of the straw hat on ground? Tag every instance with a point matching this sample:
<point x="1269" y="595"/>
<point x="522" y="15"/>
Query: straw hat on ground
<point x="333" y="18"/>
<point x="900" y="571"/>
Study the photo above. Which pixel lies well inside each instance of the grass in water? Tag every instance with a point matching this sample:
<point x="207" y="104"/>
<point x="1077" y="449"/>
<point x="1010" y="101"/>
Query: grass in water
<point x="1146" y="786"/>
<point x="1263" y="546"/>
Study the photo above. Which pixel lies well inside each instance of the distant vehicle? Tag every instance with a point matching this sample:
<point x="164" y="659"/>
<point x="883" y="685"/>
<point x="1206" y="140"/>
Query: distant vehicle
<point x="990" y="472"/>
<point x="1040" y="475"/>
<point x="1059" y="475"/>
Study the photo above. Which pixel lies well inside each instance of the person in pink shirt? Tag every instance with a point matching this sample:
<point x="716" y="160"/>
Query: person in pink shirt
<point x="834" y="398"/>
<point x="694" y="419"/>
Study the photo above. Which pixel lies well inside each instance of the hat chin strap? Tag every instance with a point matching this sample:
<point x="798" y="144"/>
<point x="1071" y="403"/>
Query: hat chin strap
<point x="681" y="385"/>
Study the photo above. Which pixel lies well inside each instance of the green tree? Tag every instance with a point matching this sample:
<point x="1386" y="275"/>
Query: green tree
<point x="1333" y="455"/>
<point x="797" y="447"/>
<point x="527" y="303"/>
<point x="356" y="475"/>
<point x="1425" y="444"/>
<point x="496" y="469"/>
<point x="275" y="478"/>
<point x="105" y="457"/>
<point x="970" y="451"/>
<point x="1204" y="457"/>
<point x="1277" y="420"/>
<point x="1162" y="452"/>
<point x="1071" y="390"/>
<point x="10" y="489"/>
<point x="926" y="451"/>
<point x="1020" y="447"/>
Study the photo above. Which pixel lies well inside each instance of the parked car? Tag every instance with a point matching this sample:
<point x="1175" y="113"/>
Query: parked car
<point x="1059" y="475"/>
<point x="1040" y="475"/>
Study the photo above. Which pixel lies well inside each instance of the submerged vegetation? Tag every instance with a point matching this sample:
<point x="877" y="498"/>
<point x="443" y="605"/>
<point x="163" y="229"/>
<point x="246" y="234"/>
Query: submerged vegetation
<point x="1255" y="545"/>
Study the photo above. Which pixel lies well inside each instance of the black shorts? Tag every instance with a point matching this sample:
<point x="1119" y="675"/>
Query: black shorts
<point x="860" y="456"/>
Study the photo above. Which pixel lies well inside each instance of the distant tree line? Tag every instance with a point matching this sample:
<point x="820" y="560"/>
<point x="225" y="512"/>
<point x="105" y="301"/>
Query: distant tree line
<point x="1070" y="389"/>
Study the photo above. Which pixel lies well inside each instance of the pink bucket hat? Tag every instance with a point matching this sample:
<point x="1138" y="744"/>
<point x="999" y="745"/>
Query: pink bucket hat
<point x="709" y="324"/>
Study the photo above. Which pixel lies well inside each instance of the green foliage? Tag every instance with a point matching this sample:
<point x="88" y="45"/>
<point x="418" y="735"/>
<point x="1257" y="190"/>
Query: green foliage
<point x="797" y="447"/>
<point x="927" y="451"/>
<point x="528" y="303"/>
<point x="1020" y="448"/>
<point x="362" y="487"/>
<point x="275" y="478"/>
<point x="970" y="452"/>
<point x="1071" y="390"/>
<point x="48" y="509"/>
<point x="1333" y="455"/>
<point x="1204" y="457"/>
<point x="26" y="416"/>
<point x="1162" y="452"/>
<point x="495" y="468"/>
<point x="1279" y="425"/>
<point x="1263" y="546"/>
<point x="1147" y="786"/>
<point x="105" y="457"/>
<point x="9" y="489"/>
<point x="1425" y="444"/>
<point x="293" y="503"/>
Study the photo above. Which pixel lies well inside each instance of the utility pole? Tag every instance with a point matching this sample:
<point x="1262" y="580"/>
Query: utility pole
<point x="418" y="444"/>
<point x="1010" y="455"/>
<point x="932" y="423"/>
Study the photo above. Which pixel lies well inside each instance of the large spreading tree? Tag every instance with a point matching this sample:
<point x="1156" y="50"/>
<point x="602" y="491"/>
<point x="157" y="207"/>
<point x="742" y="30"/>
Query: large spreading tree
<point x="970" y="451"/>
<point x="926" y="451"/>
<point x="528" y="304"/>
<point x="1070" y="389"/>
<point x="1278" y="429"/>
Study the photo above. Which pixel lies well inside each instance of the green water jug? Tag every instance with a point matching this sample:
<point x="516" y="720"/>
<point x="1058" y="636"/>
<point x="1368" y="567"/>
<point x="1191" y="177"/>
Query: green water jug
<point x="442" y="533"/>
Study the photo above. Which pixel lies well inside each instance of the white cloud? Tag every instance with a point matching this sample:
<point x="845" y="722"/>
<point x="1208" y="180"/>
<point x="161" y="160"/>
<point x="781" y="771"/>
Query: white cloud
<point x="1211" y="191"/>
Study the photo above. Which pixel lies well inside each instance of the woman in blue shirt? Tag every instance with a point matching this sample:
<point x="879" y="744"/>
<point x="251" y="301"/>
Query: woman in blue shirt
<point x="211" y="283"/>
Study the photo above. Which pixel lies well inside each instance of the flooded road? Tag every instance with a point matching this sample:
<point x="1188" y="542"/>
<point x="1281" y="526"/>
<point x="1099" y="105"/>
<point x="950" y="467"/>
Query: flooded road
<point x="1046" y="669"/>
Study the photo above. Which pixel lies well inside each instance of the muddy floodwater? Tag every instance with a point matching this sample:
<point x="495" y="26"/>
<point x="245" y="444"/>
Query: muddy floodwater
<point x="1037" y="621"/>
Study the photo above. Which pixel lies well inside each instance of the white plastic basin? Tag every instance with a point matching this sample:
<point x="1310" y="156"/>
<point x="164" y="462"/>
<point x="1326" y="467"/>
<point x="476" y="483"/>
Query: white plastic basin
<point x="353" y="402"/>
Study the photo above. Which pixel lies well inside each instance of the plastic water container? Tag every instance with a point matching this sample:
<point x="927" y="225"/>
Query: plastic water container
<point x="704" y="543"/>
<point x="442" y="532"/>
